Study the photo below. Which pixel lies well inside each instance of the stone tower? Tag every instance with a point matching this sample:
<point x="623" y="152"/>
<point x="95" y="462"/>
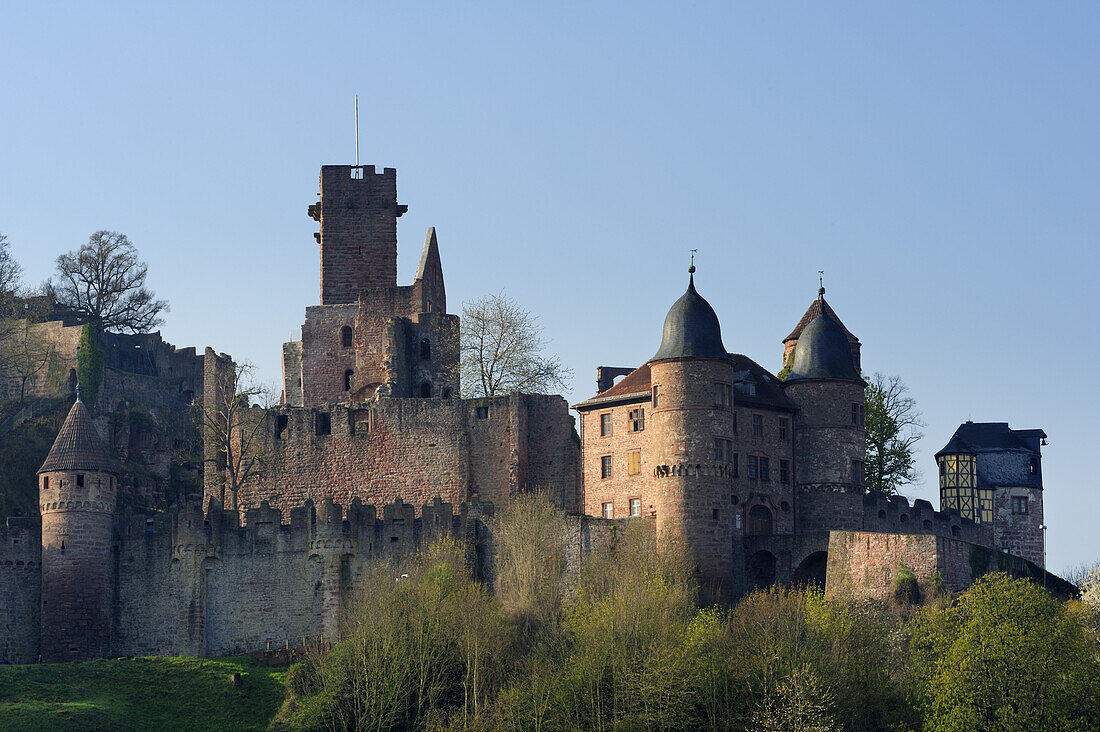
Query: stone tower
<point x="358" y="212"/>
<point x="78" y="498"/>
<point x="692" y="497"/>
<point x="993" y="475"/>
<point x="824" y="382"/>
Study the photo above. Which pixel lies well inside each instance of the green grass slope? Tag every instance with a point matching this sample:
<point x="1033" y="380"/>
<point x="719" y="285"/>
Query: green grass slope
<point x="141" y="694"/>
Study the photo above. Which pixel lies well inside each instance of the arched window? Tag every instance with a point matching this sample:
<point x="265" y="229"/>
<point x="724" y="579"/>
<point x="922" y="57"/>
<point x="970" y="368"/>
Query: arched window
<point x="760" y="520"/>
<point x="425" y="349"/>
<point x="345" y="336"/>
<point x="347" y="379"/>
<point x="426" y="389"/>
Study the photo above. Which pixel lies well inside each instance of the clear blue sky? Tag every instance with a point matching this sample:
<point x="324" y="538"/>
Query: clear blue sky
<point x="938" y="160"/>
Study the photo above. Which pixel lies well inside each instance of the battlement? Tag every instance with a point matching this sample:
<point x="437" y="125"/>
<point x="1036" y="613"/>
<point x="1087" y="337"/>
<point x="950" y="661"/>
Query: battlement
<point x="696" y="470"/>
<point x="896" y="515"/>
<point x="311" y="528"/>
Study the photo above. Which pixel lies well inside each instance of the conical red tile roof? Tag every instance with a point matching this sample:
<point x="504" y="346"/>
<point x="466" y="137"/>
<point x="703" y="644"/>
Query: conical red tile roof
<point x="77" y="446"/>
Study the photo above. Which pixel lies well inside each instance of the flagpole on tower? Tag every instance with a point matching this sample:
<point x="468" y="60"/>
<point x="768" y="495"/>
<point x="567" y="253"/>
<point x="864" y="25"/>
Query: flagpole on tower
<point x="357" y="130"/>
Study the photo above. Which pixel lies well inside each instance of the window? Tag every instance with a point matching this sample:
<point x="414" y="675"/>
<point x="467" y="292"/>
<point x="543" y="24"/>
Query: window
<point x="734" y="460"/>
<point x="1019" y="505"/>
<point x="605" y="466"/>
<point x="426" y="390"/>
<point x="80" y="480"/>
<point x="857" y="472"/>
<point x="754" y="466"/>
<point x="634" y="462"/>
<point x="959" y="489"/>
<point x="322" y="424"/>
<point x="357" y="174"/>
<point x="281" y="423"/>
<point x="635" y="506"/>
<point x="637" y="419"/>
<point x="45" y="482"/>
<point x="345" y="336"/>
<point x="757" y="425"/>
<point x="347" y="379"/>
<point x="764" y="475"/>
<point x="783" y="424"/>
<point x="723" y="395"/>
<point x="784" y="471"/>
<point x="723" y="450"/>
<point x="425" y="349"/>
<point x="1034" y="465"/>
<point x="857" y="414"/>
<point x="483" y="413"/>
<point x="655" y="394"/>
<point x="605" y="424"/>
<point x="715" y="514"/>
<point x="609" y="510"/>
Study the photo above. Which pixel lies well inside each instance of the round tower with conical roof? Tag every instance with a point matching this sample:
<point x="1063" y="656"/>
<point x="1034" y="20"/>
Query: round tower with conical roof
<point x="823" y="380"/>
<point x="78" y="498"/>
<point x="689" y="375"/>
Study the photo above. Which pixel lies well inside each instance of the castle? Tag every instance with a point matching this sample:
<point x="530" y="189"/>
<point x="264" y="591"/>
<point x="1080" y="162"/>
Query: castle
<point x="758" y="476"/>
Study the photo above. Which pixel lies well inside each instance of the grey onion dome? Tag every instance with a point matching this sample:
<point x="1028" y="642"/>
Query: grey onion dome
<point x="77" y="446"/>
<point x="823" y="352"/>
<point x="691" y="329"/>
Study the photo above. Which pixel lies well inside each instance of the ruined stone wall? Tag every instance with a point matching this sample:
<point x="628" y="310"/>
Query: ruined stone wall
<point x="59" y="370"/>
<point x="325" y="358"/>
<point x="866" y="564"/>
<point x="145" y="613"/>
<point x="416" y="449"/>
<point x="20" y="589"/>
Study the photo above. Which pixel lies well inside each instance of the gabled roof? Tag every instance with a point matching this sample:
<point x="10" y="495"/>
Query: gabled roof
<point x="976" y="437"/>
<point x="77" y="446"/>
<point x="812" y="312"/>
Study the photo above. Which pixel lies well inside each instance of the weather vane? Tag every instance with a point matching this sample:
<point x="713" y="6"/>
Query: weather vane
<point x="821" y="283"/>
<point x="691" y="269"/>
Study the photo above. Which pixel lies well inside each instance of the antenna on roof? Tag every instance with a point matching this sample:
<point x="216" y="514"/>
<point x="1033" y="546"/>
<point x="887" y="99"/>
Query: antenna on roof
<point x="691" y="269"/>
<point x="357" y="130"/>
<point x="821" y="283"/>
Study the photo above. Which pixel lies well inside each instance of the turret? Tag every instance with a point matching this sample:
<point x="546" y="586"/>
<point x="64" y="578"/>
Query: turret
<point x="78" y="499"/>
<point x="821" y="377"/>
<point x="692" y="483"/>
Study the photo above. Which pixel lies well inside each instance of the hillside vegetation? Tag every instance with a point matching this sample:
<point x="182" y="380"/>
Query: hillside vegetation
<point x="140" y="694"/>
<point x="22" y="451"/>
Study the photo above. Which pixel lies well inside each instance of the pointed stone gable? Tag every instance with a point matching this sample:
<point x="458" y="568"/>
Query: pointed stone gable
<point x="429" y="276"/>
<point x="78" y="446"/>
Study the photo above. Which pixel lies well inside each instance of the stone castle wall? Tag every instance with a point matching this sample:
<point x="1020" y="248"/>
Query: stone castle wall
<point x="416" y="449"/>
<point x="20" y="589"/>
<point x="866" y="564"/>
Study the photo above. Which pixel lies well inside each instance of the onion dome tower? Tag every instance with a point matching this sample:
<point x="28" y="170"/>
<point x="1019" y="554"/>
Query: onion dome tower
<point x="692" y="482"/>
<point x="78" y="498"/>
<point x="824" y="382"/>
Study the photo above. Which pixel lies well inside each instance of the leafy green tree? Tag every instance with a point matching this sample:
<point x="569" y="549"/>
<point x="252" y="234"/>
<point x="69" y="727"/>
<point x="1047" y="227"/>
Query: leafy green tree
<point x="1006" y="656"/>
<point x="892" y="425"/>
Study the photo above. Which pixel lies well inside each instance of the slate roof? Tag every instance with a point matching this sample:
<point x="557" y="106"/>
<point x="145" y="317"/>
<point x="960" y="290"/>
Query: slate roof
<point x="636" y="386"/>
<point x="823" y="351"/>
<point x="77" y="446"/>
<point x="812" y="312"/>
<point x="691" y="329"/>
<point x="976" y="437"/>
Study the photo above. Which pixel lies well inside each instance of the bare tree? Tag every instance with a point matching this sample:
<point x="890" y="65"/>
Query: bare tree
<point x="501" y="346"/>
<point x="105" y="281"/>
<point x="10" y="272"/>
<point x="893" y="427"/>
<point x="233" y="425"/>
